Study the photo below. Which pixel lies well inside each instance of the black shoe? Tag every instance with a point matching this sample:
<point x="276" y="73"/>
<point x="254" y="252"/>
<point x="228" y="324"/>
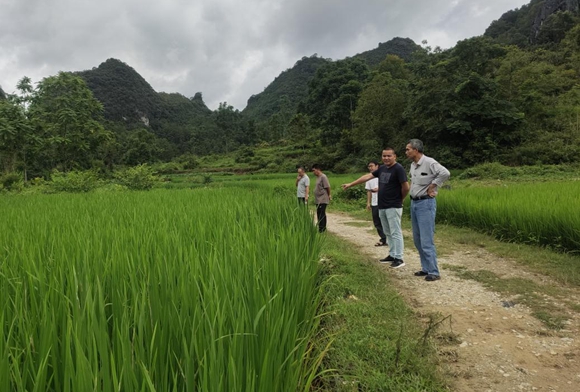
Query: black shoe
<point x="421" y="273"/>
<point x="431" y="278"/>
<point x="397" y="263"/>
<point x="387" y="259"/>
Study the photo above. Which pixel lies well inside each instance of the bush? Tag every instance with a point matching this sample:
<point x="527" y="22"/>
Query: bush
<point x="137" y="178"/>
<point x="354" y="193"/>
<point x="490" y="171"/>
<point x="74" y="181"/>
<point x="169" y="168"/>
<point x="187" y="161"/>
<point x="11" y="182"/>
<point x="244" y="155"/>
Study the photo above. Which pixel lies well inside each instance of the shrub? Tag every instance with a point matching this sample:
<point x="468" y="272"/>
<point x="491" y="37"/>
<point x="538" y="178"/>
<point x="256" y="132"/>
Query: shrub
<point x="11" y="182"/>
<point x="187" y="161"/>
<point x="492" y="170"/>
<point x="169" y="168"/>
<point x="244" y="155"/>
<point x="74" y="181"/>
<point x="137" y="178"/>
<point x="354" y="193"/>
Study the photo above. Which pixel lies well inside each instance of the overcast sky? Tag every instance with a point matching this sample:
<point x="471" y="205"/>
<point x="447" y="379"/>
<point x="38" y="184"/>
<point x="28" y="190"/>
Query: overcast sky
<point x="226" y="49"/>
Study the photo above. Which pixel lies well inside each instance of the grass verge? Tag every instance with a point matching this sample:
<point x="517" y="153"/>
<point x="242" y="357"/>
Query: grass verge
<point x="523" y="291"/>
<point x="562" y="267"/>
<point x="377" y="341"/>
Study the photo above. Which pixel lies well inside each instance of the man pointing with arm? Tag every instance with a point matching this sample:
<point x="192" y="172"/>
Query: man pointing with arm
<point x="393" y="188"/>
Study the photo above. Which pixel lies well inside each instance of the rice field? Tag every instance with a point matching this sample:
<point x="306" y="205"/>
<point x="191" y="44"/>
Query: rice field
<point x="181" y="290"/>
<point x="543" y="214"/>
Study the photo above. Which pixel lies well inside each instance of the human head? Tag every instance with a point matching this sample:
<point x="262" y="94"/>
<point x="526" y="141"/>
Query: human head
<point x="316" y="169"/>
<point x="389" y="156"/>
<point x="301" y="170"/>
<point x="372" y="166"/>
<point x="414" y="149"/>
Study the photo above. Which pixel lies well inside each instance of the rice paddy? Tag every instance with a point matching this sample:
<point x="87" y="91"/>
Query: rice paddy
<point x="544" y="214"/>
<point x="182" y="290"/>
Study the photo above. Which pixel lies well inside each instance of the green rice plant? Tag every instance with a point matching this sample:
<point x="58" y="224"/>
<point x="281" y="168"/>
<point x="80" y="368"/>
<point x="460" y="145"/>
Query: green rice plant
<point x="542" y="214"/>
<point x="183" y="290"/>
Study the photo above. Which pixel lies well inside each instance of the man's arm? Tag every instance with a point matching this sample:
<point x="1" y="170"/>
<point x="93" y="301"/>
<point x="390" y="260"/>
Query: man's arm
<point x="307" y="192"/>
<point x="360" y="180"/>
<point x="404" y="189"/>
<point x="369" y="197"/>
<point x="441" y="175"/>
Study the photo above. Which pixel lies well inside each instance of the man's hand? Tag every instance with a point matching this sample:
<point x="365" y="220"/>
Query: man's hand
<point x="368" y="207"/>
<point x="345" y="186"/>
<point x="432" y="190"/>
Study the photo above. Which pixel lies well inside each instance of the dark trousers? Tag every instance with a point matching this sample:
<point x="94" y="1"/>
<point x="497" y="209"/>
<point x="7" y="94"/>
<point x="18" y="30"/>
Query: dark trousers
<point x="301" y="200"/>
<point x="321" y="215"/>
<point x="378" y="224"/>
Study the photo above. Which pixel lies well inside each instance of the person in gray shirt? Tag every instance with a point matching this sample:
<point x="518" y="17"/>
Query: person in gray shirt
<point x="302" y="186"/>
<point x="427" y="176"/>
<point x="322" y="196"/>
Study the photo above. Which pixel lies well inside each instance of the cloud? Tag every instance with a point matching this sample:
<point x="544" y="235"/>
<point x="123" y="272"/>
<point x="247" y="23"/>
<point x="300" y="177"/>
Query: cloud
<point x="226" y="49"/>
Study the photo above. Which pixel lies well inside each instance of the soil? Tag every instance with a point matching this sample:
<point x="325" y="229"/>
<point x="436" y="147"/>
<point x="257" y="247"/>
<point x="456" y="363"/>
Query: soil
<point x="489" y="342"/>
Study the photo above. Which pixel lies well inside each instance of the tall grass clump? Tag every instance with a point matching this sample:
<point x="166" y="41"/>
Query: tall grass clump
<point x="184" y="290"/>
<point x="542" y="214"/>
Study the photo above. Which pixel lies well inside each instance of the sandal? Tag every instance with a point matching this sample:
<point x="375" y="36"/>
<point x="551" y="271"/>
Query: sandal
<point x="380" y="244"/>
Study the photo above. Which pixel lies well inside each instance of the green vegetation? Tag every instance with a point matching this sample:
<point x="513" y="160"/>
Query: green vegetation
<point x="280" y="98"/>
<point x="143" y="291"/>
<point x="377" y="344"/>
<point x="510" y="96"/>
<point x="538" y="214"/>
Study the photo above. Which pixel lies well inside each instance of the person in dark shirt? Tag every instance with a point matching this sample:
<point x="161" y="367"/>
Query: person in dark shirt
<point x="393" y="188"/>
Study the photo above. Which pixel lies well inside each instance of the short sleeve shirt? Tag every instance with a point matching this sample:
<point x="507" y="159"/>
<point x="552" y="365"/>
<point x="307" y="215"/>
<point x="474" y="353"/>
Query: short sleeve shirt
<point x="320" y="193"/>
<point x="369" y="186"/>
<point x="390" y="180"/>
<point x="302" y="184"/>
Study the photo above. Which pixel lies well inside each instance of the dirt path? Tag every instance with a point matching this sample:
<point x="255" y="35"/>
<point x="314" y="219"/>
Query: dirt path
<point x="489" y="344"/>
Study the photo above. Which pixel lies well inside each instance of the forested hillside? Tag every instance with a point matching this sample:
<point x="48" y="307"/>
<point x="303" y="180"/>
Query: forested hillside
<point x="281" y="97"/>
<point x="272" y="109"/>
<point x="400" y="47"/>
<point x="511" y="95"/>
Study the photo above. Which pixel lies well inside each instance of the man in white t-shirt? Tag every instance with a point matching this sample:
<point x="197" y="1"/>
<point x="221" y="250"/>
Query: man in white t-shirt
<point x="372" y="187"/>
<point x="302" y="186"/>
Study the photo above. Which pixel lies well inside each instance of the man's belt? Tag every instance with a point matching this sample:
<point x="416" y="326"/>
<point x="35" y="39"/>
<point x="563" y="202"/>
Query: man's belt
<point x="421" y="197"/>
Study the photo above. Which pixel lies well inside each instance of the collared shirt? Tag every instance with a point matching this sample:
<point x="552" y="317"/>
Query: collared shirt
<point x="320" y="193"/>
<point x="302" y="184"/>
<point x="424" y="173"/>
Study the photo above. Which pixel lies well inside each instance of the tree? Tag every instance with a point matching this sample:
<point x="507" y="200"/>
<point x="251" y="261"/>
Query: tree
<point x="15" y="133"/>
<point x="68" y="116"/>
<point x="333" y="96"/>
<point x="379" y="117"/>
<point x="17" y="137"/>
